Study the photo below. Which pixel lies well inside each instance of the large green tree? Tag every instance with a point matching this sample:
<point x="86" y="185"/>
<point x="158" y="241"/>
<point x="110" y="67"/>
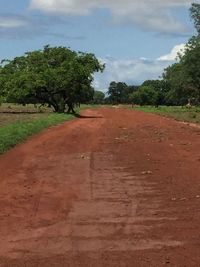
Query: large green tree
<point x="184" y="76"/>
<point x="190" y="63"/>
<point x="175" y="78"/>
<point x="56" y="76"/>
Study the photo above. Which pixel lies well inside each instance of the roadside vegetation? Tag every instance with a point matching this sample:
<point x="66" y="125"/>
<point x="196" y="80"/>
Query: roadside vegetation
<point x="13" y="113"/>
<point x="17" y="126"/>
<point x="185" y="114"/>
<point x="18" y="122"/>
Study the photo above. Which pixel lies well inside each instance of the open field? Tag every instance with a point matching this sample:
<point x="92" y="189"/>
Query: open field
<point x="180" y="113"/>
<point x="17" y="123"/>
<point x="117" y="187"/>
<point x="14" y="113"/>
<point x="11" y="113"/>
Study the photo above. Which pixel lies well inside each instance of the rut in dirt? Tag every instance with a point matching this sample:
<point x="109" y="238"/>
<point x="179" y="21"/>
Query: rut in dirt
<point x="113" y="188"/>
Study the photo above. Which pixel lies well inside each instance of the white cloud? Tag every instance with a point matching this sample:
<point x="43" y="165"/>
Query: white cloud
<point x="174" y="53"/>
<point x="153" y="15"/>
<point x="134" y="71"/>
<point x="129" y="71"/>
<point x="10" y="22"/>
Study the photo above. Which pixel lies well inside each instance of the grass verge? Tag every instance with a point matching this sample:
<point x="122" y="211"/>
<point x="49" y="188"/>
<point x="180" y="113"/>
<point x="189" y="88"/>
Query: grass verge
<point x="15" y="133"/>
<point x="179" y="113"/>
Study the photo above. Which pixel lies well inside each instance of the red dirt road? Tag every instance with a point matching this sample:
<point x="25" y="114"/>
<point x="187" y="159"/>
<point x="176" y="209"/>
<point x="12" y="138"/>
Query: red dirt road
<point x="114" y="188"/>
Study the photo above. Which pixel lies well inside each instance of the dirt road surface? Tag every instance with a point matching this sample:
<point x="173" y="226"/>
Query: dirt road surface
<point x="113" y="188"/>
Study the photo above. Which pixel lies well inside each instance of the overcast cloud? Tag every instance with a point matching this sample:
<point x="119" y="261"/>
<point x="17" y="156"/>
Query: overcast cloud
<point x="154" y="15"/>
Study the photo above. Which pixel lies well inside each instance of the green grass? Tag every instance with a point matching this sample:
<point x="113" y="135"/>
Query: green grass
<point x="12" y="113"/>
<point x="7" y="118"/>
<point x="179" y="113"/>
<point x="18" y="122"/>
<point x="14" y="133"/>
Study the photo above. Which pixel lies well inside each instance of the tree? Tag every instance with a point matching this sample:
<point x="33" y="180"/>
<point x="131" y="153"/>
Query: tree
<point x="178" y="92"/>
<point x="118" y="92"/>
<point x="183" y="77"/>
<point x="145" y="95"/>
<point x="190" y="63"/>
<point x="99" y="97"/>
<point x="195" y="15"/>
<point x="57" y="76"/>
<point x="161" y="88"/>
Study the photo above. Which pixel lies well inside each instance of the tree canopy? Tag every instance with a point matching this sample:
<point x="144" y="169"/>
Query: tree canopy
<point x="145" y="95"/>
<point x="118" y="92"/>
<point x="56" y="76"/>
<point x="195" y="15"/>
<point x="99" y="97"/>
<point x="183" y="77"/>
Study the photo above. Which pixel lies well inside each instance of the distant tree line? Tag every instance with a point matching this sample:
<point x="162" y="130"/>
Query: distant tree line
<point x="180" y="82"/>
<point x="151" y="92"/>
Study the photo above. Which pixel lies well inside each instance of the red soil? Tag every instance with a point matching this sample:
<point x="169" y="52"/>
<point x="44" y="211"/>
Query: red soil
<point x="114" y="188"/>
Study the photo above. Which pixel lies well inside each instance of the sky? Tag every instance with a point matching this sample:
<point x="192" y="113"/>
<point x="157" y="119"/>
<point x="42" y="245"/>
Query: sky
<point x="136" y="39"/>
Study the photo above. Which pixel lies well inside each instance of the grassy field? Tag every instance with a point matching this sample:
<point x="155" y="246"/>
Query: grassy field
<point x="17" y="123"/>
<point x="18" y="113"/>
<point x="179" y="113"/>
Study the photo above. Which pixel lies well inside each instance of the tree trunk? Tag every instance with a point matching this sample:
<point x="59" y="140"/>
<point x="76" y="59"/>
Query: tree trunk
<point x="59" y="108"/>
<point x="70" y="108"/>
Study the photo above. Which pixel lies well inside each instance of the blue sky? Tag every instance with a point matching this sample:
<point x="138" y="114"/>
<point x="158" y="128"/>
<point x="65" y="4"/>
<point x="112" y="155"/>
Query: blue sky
<point x="136" y="39"/>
